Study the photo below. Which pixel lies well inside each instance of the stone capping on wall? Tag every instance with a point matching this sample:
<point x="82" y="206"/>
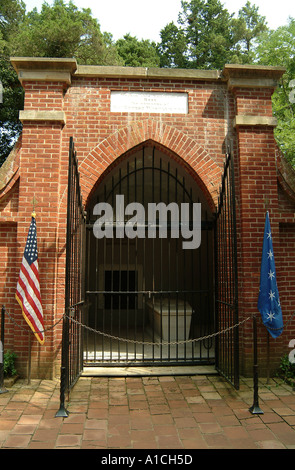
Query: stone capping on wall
<point x="58" y="69"/>
<point x="146" y="73"/>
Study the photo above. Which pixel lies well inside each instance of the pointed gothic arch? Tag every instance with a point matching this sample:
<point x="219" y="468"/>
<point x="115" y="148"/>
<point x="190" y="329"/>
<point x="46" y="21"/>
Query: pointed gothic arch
<point x="198" y="161"/>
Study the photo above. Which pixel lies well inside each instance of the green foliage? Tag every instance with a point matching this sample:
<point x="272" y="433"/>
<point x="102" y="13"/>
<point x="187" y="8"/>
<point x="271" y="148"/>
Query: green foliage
<point x="209" y="37"/>
<point x="9" y="364"/>
<point x="207" y="26"/>
<point x="62" y="30"/>
<point x="287" y="370"/>
<point x="12" y="13"/>
<point x="13" y="96"/>
<point x="277" y="48"/>
<point x="173" y="47"/>
<point x="247" y="28"/>
<point x="137" y="53"/>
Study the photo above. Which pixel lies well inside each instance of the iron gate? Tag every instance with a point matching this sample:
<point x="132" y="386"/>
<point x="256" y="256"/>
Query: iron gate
<point x="72" y="338"/>
<point x="226" y="278"/>
<point x="148" y="297"/>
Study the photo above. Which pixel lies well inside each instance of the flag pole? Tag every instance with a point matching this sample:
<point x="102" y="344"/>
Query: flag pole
<point x="29" y="359"/>
<point x="255" y="408"/>
<point x="268" y="358"/>
<point x="29" y="332"/>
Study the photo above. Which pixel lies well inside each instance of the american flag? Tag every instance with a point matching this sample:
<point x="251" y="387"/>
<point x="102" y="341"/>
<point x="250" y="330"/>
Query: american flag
<point x="28" y="286"/>
<point x="269" y="299"/>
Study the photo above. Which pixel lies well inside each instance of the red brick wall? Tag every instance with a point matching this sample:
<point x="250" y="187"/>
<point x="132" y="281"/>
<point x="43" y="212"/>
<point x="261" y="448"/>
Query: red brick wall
<point x="40" y="179"/>
<point x="8" y="276"/>
<point x="254" y="102"/>
<point x="258" y="193"/>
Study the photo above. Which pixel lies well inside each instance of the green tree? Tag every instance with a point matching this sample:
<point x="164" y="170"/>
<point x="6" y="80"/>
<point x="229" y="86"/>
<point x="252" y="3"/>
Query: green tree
<point x="12" y="13"/>
<point x="173" y="47"/>
<point x="277" y="48"/>
<point x="207" y="36"/>
<point x="137" y="53"/>
<point x="246" y="29"/>
<point x="12" y="102"/>
<point x="204" y="38"/>
<point x="62" y="30"/>
<point x="207" y="26"/>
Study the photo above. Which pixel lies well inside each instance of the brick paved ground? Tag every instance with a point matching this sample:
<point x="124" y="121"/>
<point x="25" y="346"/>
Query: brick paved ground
<point x="180" y="412"/>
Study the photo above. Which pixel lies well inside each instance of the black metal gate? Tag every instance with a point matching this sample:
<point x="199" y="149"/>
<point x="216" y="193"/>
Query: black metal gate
<point x="148" y="298"/>
<point x="226" y="278"/>
<point x="72" y="337"/>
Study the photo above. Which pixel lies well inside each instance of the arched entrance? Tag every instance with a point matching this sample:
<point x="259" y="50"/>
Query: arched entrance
<point x="148" y="296"/>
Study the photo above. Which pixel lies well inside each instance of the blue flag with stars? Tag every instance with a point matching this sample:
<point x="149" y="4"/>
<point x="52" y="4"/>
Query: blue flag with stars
<point x="269" y="300"/>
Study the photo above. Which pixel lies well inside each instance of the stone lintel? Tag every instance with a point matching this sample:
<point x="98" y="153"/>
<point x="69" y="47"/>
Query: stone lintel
<point x="42" y="116"/>
<point x="244" y="120"/>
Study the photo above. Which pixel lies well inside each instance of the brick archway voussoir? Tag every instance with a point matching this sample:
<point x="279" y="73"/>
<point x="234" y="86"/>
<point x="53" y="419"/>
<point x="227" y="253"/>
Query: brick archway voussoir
<point x="123" y="140"/>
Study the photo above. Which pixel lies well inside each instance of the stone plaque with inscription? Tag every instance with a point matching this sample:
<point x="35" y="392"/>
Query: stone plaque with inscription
<point x="149" y="102"/>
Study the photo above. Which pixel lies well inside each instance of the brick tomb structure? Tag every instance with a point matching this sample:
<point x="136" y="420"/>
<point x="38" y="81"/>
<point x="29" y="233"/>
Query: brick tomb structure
<point x="191" y="117"/>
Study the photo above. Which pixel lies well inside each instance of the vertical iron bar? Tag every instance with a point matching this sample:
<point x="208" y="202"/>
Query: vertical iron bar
<point x="64" y="383"/>
<point x="161" y="260"/>
<point x="120" y="275"/>
<point x="112" y="276"/>
<point x="216" y="273"/>
<point x="143" y="255"/>
<point x="235" y="250"/>
<point x="104" y="281"/>
<point x="86" y="333"/>
<point x="184" y="283"/>
<point x="136" y="306"/>
<point x="153" y="247"/>
<point x="169" y="268"/>
<point x="71" y="360"/>
<point x="96" y="297"/>
<point x="177" y="280"/>
<point x="227" y="360"/>
<point x="128" y="260"/>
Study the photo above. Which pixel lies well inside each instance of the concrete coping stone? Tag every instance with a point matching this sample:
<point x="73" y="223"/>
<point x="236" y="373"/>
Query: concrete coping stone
<point x="63" y="69"/>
